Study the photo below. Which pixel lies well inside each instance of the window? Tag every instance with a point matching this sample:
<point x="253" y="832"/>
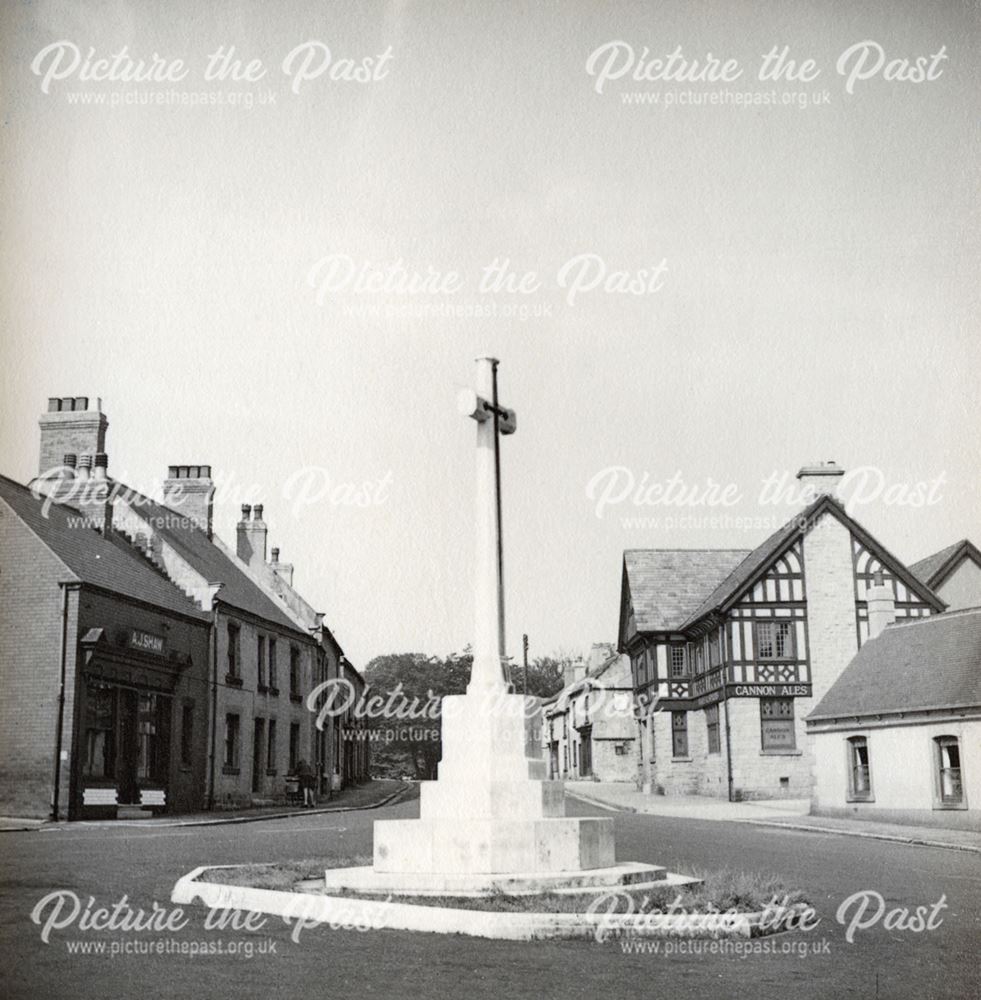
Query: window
<point x="233" y="658"/>
<point x="859" y="774"/>
<point x="273" y="680"/>
<point x="152" y="725"/>
<point x="100" y="728"/>
<point x="679" y="734"/>
<point x="712" y="727"/>
<point x="187" y="734"/>
<point x="678" y="667"/>
<point x="715" y="655"/>
<point x="271" y="747"/>
<point x="295" y="674"/>
<point x="294" y="745"/>
<point x="777" y="724"/>
<point x="948" y="760"/>
<point x="775" y="640"/>
<point x="231" y="741"/>
<point x="260" y="659"/>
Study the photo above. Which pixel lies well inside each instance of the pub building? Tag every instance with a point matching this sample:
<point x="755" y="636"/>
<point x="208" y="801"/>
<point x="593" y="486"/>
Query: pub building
<point x="104" y="666"/>
<point x="731" y="649"/>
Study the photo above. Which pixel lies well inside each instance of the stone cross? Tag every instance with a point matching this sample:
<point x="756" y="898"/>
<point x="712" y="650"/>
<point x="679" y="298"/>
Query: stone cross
<point x="493" y="420"/>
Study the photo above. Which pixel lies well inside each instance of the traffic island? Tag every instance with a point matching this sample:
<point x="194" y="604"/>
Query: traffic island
<point x="720" y="905"/>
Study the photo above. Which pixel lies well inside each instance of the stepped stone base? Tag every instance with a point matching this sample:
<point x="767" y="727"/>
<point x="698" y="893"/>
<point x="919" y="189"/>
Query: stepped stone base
<point x="627" y="875"/>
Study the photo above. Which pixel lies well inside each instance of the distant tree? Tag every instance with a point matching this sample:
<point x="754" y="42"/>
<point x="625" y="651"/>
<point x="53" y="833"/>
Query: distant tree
<point x="404" y="735"/>
<point x="545" y="676"/>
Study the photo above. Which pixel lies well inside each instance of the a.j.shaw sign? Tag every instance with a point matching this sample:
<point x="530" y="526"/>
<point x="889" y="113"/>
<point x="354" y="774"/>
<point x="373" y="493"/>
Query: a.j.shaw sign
<point x="146" y="642"/>
<point x="770" y="691"/>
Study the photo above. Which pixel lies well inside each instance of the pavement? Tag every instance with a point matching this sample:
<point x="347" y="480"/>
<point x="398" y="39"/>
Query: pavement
<point x="371" y="795"/>
<point x="883" y="959"/>
<point x="787" y="813"/>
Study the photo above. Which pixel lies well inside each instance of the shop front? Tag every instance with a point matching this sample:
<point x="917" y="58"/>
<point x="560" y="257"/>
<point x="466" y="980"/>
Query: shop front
<point x="138" y="731"/>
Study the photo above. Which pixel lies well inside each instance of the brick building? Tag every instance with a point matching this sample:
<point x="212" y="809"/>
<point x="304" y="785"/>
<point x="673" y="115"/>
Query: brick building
<point x="105" y="669"/>
<point x="731" y="649"/>
<point x="265" y="648"/>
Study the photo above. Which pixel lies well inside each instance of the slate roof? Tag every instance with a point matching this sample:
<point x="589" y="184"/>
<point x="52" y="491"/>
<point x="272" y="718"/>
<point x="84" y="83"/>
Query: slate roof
<point x="931" y="663"/>
<point x="673" y="589"/>
<point x="239" y="590"/>
<point x="110" y="563"/>
<point x="667" y="585"/>
<point x="930" y="568"/>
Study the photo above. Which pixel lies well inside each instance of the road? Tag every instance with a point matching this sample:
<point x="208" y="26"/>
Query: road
<point x="108" y="862"/>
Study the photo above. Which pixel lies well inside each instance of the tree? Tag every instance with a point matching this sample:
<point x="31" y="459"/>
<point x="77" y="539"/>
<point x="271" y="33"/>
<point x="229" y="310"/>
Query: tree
<point x="403" y="700"/>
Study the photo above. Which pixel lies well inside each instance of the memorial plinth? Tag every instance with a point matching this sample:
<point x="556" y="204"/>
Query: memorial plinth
<point x="490" y="811"/>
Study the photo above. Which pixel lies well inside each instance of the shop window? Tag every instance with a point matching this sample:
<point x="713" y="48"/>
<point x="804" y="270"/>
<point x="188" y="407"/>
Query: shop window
<point x="679" y="734"/>
<point x="777" y="724"/>
<point x="100" y="727"/>
<point x="859" y="769"/>
<point x="950" y="789"/>
<point x="152" y="737"/>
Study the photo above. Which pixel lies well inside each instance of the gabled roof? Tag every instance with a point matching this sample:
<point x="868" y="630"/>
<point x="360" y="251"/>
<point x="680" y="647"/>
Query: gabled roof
<point x="934" y="569"/>
<point x="666" y="585"/>
<point x="671" y="590"/>
<point x="109" y="563"/>
<point x="930" y="663"/>
<point x="210" y="560"/>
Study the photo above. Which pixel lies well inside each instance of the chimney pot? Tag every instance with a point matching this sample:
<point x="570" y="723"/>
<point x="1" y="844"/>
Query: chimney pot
<point x="257" y="512"/>
<point x="246" y="511"/>
<point x="275" y="555"/>
<point x="71" y="460"/>
<point x="881" y="602"/>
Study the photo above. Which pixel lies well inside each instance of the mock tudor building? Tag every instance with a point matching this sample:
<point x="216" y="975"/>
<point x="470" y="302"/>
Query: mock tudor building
<point x="897" y="738"/>
<point x="266" y="648"/>
<point x="588" y="728"/>
<point x="953" y="574"/>
<point x="731" y="649"/>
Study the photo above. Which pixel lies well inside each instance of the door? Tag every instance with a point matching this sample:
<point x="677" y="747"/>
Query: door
<point x="128" y="757"/>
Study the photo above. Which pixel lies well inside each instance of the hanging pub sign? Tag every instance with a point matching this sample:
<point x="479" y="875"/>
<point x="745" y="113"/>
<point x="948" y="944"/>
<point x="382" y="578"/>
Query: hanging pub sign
<point x="146" y="642"/>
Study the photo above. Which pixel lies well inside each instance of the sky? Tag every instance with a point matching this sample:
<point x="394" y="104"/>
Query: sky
<point x="711" y="292"/>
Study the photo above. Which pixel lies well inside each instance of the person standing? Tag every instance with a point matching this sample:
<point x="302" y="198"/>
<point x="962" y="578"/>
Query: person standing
<point x="305" y="773"/>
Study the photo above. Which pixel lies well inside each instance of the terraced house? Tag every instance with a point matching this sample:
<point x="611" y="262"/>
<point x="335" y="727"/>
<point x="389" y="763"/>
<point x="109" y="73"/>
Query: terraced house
<point x="238" y="722"/>
<point x="731" y="649"/>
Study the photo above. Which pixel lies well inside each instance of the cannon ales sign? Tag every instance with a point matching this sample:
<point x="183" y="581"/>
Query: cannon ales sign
<point x="770" y="691"/>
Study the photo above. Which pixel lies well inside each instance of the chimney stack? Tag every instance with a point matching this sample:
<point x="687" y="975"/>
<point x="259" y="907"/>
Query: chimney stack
<point x="820" y="478"/>
<point x="251" y="532"/>
<point x="881" y="603"/>
<point x="190" y="491"/>
<point x="283" y="570"/>
<point x="70" y="427"/>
